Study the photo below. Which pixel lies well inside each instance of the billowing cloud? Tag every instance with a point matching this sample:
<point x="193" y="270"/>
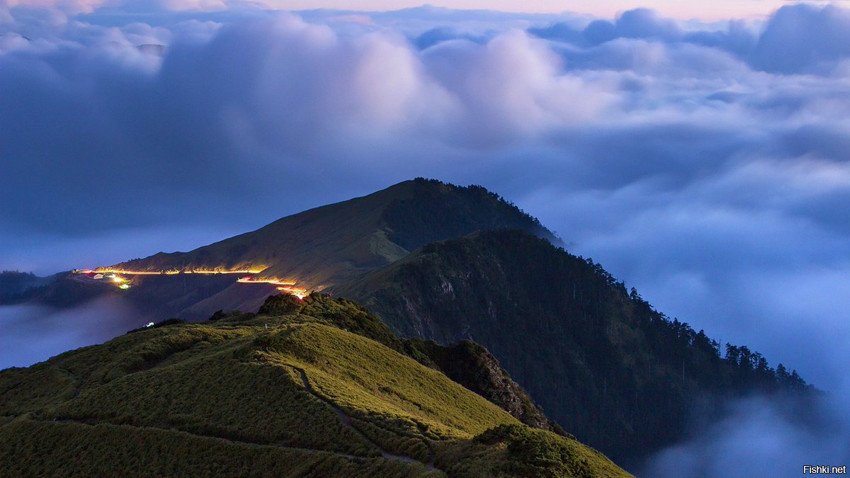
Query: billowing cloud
<point x="797" y="39"/>
<point x="704" y="164"/>
<point x="117" y="127"/>
<point x="803" y="38"/>
<point x="768" y="434"/>
<point x="33" y="334"/>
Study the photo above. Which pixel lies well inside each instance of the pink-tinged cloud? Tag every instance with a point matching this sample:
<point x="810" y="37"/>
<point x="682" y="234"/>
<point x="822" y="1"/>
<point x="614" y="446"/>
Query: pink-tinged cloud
<point x="705" y="164"/>
<point x="706" y="11"/>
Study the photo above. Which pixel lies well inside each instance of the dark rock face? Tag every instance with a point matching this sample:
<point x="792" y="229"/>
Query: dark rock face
<point x="472" y="366"/>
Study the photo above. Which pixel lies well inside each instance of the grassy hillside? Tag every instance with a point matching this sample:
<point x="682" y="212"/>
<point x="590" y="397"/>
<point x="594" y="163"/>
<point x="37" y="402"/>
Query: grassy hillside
<point x="466" y="363"/>
<point x="331" y="243"/>
<point x="602" y="363"/>
<point x="293" y="391"/>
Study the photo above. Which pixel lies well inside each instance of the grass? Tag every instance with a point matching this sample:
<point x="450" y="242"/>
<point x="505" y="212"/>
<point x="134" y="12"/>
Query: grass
<point x="227" y="398"/>
<point x="33" y="448"/>
<point x="370" y="380"/>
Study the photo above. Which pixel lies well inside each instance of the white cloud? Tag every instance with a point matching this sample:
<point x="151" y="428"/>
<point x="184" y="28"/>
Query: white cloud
<point x="691" y="160"/>
<point x="758" y="435"/>
<point x="33" y="334"/>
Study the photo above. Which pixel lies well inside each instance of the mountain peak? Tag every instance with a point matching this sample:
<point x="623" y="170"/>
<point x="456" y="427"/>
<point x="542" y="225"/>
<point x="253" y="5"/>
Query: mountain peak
<point x="324" y="245"/>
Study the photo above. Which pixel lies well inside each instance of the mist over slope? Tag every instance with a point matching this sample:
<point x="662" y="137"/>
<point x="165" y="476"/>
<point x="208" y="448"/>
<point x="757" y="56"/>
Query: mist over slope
<point x="33" y="333"/>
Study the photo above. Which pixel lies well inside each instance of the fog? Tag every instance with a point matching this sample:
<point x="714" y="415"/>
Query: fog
<point x="702" y="162"/>
<point x="760" y="436"/>
<point x="33" y="334"/>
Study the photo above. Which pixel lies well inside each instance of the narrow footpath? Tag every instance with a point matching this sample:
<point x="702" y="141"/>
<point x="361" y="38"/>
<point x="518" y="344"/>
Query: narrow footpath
<point x="346" y="420"/>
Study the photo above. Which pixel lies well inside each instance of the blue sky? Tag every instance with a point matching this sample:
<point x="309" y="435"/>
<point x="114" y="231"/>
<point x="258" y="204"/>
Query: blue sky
<point x="700" y="155"/>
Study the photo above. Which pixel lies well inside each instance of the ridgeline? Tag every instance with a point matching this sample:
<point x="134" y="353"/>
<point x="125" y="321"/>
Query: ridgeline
<point x="448" y="268"/>
<point x="301" y="389"/>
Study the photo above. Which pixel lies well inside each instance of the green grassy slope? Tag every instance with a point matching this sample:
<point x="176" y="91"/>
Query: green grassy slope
<point x="466" y="363"/>
<point x="288" y="392"/>
<point x="331" y="243"/>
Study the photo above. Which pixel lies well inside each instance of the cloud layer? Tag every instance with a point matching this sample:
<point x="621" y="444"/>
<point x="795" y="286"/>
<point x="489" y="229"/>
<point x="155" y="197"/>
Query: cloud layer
<point x="32" y="333"/>
<point x="759" y="435"/>
<point x="704" y="164"/>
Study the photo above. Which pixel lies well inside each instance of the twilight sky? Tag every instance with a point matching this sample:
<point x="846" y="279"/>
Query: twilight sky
<point x="699" y="153"/>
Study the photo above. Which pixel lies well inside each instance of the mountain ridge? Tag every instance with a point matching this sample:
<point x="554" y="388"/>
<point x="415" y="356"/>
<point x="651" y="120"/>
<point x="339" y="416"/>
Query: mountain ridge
<point x="334" y="242"/>
<point x="627" y="376"/>
<point x="599" y="359"/>
<point x="288" y="392"/>
<point x="303" y="252"/>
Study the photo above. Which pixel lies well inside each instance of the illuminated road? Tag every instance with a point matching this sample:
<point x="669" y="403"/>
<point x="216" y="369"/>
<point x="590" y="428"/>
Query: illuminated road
<point x="117" y="276"/>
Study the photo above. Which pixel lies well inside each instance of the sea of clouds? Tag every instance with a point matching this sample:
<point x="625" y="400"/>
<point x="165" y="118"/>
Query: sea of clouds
<point x="703" y="163"/>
